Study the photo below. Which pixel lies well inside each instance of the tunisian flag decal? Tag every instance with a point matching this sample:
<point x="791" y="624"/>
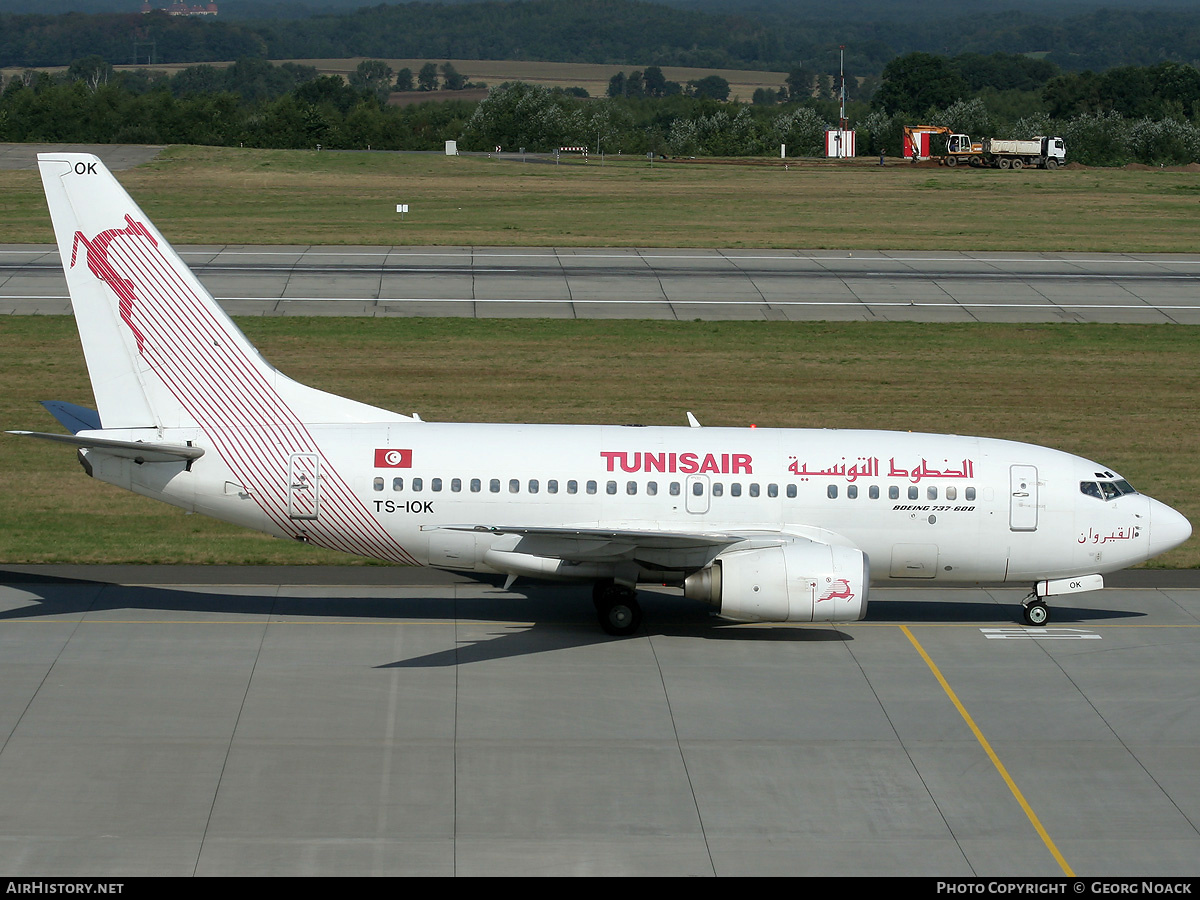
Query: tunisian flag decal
<point x="393" y="459"/>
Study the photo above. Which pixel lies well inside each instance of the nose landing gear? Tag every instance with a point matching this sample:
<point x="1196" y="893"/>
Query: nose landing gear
<point x="1034" y="610"/>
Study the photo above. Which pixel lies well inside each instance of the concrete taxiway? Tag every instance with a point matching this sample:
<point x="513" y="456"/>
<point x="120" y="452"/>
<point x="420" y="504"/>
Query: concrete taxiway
<point x="661" y="283"/>
<point x="209" y="721"/>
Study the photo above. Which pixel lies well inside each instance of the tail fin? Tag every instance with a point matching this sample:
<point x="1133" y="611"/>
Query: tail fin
<point x="160" y="351"/>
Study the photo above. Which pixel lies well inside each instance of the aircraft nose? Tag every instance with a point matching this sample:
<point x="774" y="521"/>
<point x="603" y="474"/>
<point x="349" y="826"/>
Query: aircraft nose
<point x="1168" y="528"/>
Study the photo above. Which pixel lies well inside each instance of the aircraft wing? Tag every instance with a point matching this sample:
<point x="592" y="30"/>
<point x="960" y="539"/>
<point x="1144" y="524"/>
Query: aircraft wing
<point x="651" y="540"/>
<point x="579" y="553"/>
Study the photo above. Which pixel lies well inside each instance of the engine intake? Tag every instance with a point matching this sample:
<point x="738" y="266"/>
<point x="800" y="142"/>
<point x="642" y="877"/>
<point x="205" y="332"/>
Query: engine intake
<point x="799" y="581"/>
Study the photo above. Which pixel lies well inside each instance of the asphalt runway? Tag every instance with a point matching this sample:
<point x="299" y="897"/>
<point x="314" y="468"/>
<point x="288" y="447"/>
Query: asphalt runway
<point x="661" y="283"/>
<point x="379" y="721"/>
<point x="117" y="157"/>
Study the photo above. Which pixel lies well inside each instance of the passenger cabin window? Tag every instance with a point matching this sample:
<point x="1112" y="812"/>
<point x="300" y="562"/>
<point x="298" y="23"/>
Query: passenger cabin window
<point x="476" y="485"/>
<point x="378" y="484"/>
<point x="397" y="484"/>
<point x="494" y="485"/>
<point x="418" y="484"/>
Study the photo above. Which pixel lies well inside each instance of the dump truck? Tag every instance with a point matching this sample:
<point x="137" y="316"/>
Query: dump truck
<point x="1038" y="152"/>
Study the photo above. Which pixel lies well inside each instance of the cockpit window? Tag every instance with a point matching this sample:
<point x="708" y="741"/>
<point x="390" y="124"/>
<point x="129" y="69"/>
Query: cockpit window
<point x="1106" y="490"/>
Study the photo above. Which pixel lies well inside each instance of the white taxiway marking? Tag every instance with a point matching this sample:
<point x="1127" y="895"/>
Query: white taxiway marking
<point x="1039" y="634"/>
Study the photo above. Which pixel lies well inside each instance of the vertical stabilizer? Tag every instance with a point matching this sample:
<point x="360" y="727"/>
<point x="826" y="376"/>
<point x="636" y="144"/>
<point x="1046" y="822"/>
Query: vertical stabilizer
<point x="88" y="206"/>
<point x="160" y="351"/>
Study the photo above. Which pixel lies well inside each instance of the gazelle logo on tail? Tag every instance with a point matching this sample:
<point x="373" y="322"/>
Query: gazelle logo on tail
<point x="97" y="260"/>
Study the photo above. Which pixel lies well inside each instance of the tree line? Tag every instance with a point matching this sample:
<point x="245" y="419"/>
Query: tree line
<point x="1133" y="114"/>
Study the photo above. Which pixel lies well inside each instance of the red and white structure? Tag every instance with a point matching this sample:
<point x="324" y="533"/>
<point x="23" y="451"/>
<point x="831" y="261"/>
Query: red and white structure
<point x="839" y="143"/>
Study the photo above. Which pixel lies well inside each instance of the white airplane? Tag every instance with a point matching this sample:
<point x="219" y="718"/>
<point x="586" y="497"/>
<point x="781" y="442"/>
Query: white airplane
<point x="763" y="524"/>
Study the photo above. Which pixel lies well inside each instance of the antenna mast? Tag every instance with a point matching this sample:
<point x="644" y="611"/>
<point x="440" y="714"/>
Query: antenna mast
<point x="842" y="77"/>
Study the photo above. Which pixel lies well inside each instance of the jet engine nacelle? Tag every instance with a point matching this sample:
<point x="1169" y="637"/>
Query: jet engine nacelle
<point x="800" y="581"/>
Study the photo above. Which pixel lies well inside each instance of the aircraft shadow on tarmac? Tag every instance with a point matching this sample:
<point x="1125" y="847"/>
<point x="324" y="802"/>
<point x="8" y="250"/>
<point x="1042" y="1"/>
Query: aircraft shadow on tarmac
<point x="927" y="611"/>
<point x="537" y="618"/>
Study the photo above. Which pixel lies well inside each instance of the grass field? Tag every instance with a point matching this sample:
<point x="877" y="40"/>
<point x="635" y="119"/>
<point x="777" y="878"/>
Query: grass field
<point x="1122" y="395"/>
<point x="222" y="195"/>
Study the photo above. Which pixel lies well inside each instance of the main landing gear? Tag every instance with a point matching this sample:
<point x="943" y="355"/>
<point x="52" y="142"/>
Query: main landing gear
<point x="617" y="608"/>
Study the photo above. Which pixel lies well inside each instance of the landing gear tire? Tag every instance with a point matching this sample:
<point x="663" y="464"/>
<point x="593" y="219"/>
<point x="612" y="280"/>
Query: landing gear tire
<point x="1036" y="613"/>
<point x="617" y="609"/>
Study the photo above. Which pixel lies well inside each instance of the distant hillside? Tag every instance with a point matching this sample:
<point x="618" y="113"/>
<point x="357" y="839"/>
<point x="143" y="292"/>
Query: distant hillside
<point x="767" y="35"/>
<point x="811" y="10"/>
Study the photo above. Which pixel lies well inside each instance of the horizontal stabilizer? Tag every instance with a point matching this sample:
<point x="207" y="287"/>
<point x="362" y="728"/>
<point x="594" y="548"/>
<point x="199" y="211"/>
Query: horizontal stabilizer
<point x="73" y="417"/>
<point x="138" y="451"/>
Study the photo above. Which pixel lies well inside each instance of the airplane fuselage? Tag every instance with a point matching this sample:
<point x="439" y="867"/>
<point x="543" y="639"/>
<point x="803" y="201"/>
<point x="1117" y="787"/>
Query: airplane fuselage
<point x="922" y="507"/>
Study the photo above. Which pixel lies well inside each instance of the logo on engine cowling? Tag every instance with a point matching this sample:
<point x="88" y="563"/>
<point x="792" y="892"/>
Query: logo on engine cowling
<point x="839" y="590"/>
